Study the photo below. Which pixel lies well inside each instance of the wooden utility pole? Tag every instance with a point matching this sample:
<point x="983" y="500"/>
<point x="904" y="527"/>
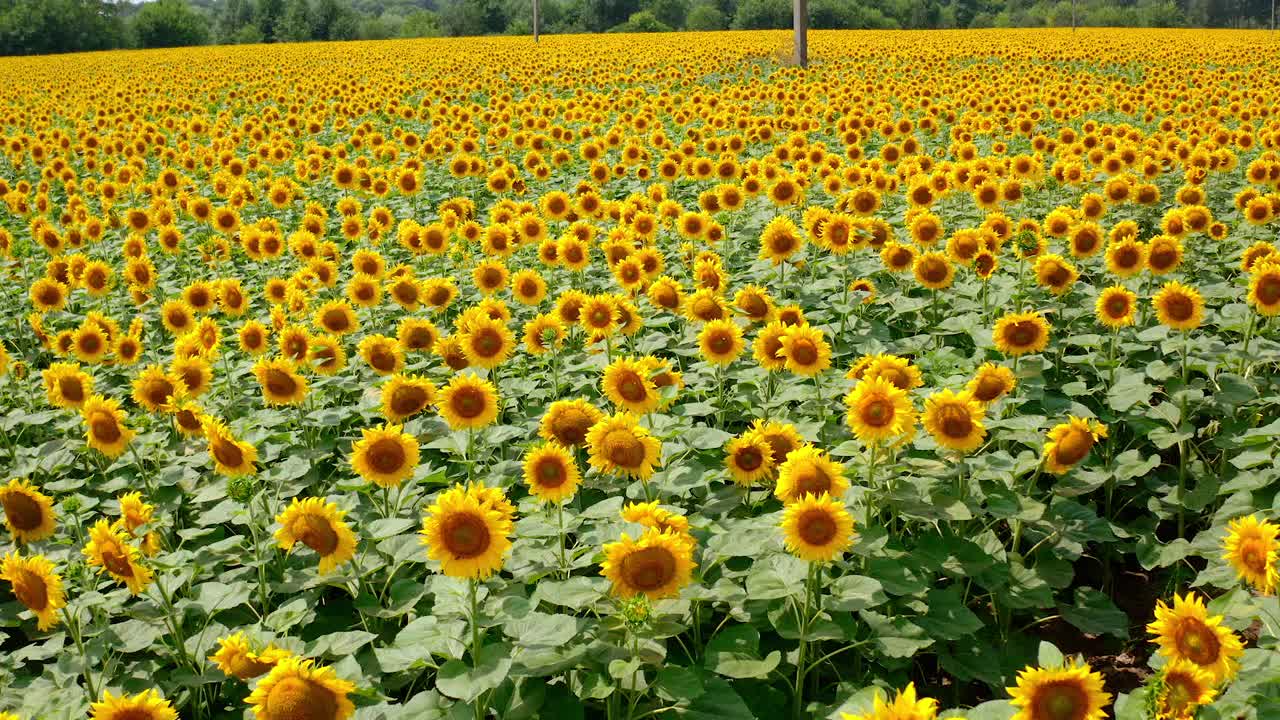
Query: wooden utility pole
<point x="800" y="23"/>
<point x="535" y="20"/>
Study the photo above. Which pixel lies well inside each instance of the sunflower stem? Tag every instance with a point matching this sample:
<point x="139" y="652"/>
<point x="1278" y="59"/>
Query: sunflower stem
<point x="469" y="457"/>
<point x="1182" y="444"/>
<point x="798" y="695"/>
<point x="871" y="484"/>
<point x="73" y="628"/>
<point x="1017" y="524"/>
<point x="477" y="638"/>
<point x="564" y="562"/>
<point x="1248" y="336"/>
<point x="1111" y="357"/>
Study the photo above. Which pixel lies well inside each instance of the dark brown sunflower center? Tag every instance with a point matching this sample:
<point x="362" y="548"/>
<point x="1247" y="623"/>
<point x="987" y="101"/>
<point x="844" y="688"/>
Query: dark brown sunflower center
<point x="748" y="459"/>
<point x="624" y="449"/>
<point x="877" y="413"/>
<point x="408" y="400"/>
<point x="720" y="343"/>
<point x="1061" y="701"/>
<point x="227" y="453"/>
<point x="550" y="473"/>
<point x="811" y="480"/>
<point x="1023" y="334"/>
<point x="104" y="427"/>
<point x="571" y="428"/>
<point x="649" y="568"/>
<point x="1269" y="290"/>
<point x="280" y="383"/>
<point x="31" y="590"/>
<point x="1117" y="306"/>
<point x="381" y="358"/>
<point x="804" y="352"/>
<point x="468" y="402"/>
<point x="816" y="527"/>
<point x="336" y="320"/>
<point x="466" y="536"/>
<point x="387" y="456"/>
<point x="631" y="387"/>
<point x="1074" y="446"/>
<point x="487" y="342"/>
<point x="989" y="387"/>
<point x="1179" y="307"/>
<point x="933" y="270"/>
<point x="294" y="698"/>
<point x="116" y="562"/>
<point x="21" y="510"/>
<point x="316" y="533"/>
<point x="90" y="344"/>
<point x="955" y="421"/>
<point x="71" y="389"/>
<point x="1198" y="642"/>
<point x="1163" y="258"/>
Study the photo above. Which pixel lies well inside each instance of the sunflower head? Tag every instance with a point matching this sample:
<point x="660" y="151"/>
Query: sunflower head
<point x="991" y="382"/>
<point x="1072" y="692"/>
<point x="319" y="525"/>
<point x="879" y="410"/>
<point x="467" y="529"/>
<point x="749" y="459"/>
<point x="804" y="351"/>
<point x="809" y="471"/>
<point x="468" y="402"/>
<point x="817" y="528"/>
<point x="1252" y="550"/>
<point x="231" y="457"/>
<point x="1185" y="631"/>
<point x="1021" y="333"/>
<point x="721" y="341"/>
<point x="110" y="551"/>
<point x="657" y="565"/>
<point x="904" y="706"/>
<point x="36" y="585"/>
<point x="618" y="444"/>
<point x="568" y="421"/>
<point x="1069" y="443"/>
<point x="28" y="513"/>
<point x="146" y="705"/>
<point x="954" y="420"/>
<point x="551" y="472"/>
<point x="1179" y="306"/>
<point x="298" y="689"/>
<point x="385" y="456"/>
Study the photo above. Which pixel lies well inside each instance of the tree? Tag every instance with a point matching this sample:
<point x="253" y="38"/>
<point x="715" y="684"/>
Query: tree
<point x="297" y="24"/>
<point x="169" y="23"/>
<point x="705" y="17"/>
<point x="268" y="16"/>
<point x="54" y="26"/>
<point x="421" y="23"/>
<point x="235" y="15"/>
<point x="669" y="12"/>
<point x="762" y="14"/>
<point x="333" y="20"/>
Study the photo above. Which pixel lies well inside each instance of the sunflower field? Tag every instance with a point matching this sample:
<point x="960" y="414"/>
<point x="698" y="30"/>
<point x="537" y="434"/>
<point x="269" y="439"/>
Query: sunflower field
<point x="639" y="377"/>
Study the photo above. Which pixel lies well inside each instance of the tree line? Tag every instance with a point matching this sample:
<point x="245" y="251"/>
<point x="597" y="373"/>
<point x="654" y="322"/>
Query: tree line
<point x="52" y="26"/>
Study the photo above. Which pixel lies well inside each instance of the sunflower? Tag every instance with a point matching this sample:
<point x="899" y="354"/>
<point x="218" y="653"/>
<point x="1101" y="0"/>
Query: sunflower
<point x="934" y="271"/>
<point x="651" y="515"/>
<point x="1164" y="254"/>
<point x="804" y="351"/>
<point x="551" y="473"/>
<point x="146" y="705"/>
<point x="1183" y="687"/>
<point x="385" y="456"/>
<point x="177" y="316"/>
<point x="1069" y="443"/>
<point x="1072" y="692"/>
<point x="28" y="513"/>
<point x="486" y="342"/>
<point x="105" y="430"/>
<point x="66" y="385"/>
<point x="298" y="689"/>
<point x="1055" y="274"/>
<point x="194" y="372"/>
<point x="543" y="334"/>
<point x="336" y="317"/>
<point x="89" y="343"/>
<point x="467" y="529"/>
<point x="36" y="585"/>
<point x="905" y="706"/>
<point x="780" y="240"/>
<point x="1126" y="258"/>
<point x="879" y="410"/>
<point x="318" y="524"/>
<point x="897" y="370"/>
<point x="528" y="287"/>
<point x="1252" y="550"/>
<point x="816" y="528"/>
<point x="991" y="382"/>
<point x="404" y="396"/>
<point x="1116" y="307"/>
<point x="749" y="459"/>
<point x="468" y="402"/>
<point x="721" y="341"/>
<point x="237" y="659"/>
<point x="808" y="471"/>
<point x="109" y="549"/>
<point x="599" y="315"/>
<point x="280" y="383"/>
<point x="48" y="295"/>
<point x="619" y="445"/>
<point x="954" y="420"/>
<point x="767" y="345"/>
<point x="1021" y="333"/>
<point x="1187" y="632"/>
<point x="382" y="353"/>
<point x="1264" y="288"/>
<point x="253" y="337"/>
<point x="1179" y="306"/>
<point x="568" y="421"/>
<point x="657" y="565"/>
<point x="231" y="457"/>
<point x="783" y="438"/>
<point x="754" y="302"/>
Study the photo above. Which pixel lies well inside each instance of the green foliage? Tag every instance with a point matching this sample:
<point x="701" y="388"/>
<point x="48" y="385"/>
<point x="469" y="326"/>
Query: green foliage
<point x="169" y="23"/>
<point x="705" y="16"/>
<point x="641" y="22"/>
<point x="29" y="27"/>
